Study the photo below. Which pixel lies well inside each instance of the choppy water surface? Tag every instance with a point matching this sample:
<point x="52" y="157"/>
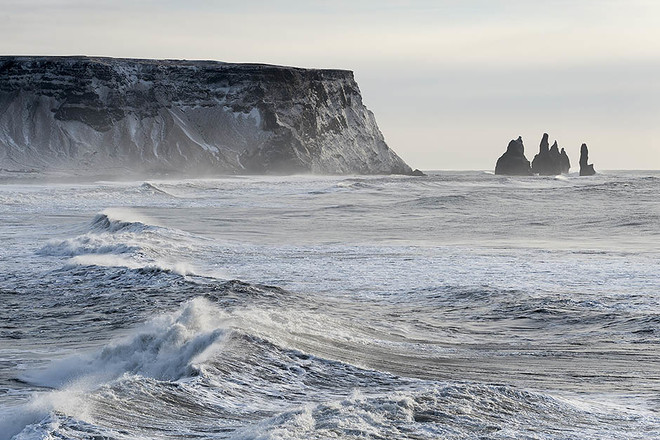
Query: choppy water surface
<point x="461" y="305"/>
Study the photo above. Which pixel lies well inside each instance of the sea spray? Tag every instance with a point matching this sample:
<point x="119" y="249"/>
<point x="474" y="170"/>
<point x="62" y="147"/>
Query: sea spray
<point x="180" y="268"/>
<point x="124" y="238"/>
<point x="463" y="305"/>
<point x="168" y="348"/>
<point x="164" y="349"/>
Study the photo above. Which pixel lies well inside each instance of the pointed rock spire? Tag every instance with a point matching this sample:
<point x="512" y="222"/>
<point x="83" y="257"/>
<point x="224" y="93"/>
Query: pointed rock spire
<point x="586" y="169"/>
<point x="548" y="162"/>
<point x="564" y="161"/>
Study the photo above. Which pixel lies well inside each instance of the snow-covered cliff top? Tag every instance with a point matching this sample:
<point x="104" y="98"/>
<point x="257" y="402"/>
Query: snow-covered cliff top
<point x="192" y="117"/>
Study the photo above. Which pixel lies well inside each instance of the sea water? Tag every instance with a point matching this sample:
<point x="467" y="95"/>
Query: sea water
<point x="458" y="305"/>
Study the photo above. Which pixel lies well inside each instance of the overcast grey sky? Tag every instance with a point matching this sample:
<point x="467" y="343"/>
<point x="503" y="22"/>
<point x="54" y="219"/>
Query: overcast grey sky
<point x="450" y="81"/>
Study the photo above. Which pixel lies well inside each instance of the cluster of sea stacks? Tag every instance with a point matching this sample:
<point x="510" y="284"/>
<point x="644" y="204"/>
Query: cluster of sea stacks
<point x="550" y="161"/>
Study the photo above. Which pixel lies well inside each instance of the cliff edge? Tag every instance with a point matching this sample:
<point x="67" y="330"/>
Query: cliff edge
<point x="94" y="115"/>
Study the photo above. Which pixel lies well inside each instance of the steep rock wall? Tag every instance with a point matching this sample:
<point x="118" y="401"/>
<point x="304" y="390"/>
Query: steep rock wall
<point x="105" y="115"/>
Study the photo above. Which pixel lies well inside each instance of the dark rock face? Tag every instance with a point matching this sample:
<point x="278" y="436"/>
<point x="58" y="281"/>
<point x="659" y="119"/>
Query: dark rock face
<point x="565" y="162"/>
<point x="513" y="162"/>
<point x="418" y="173"/>
<point x="188" y="117"/>
<point x="586" y="169"/>
<point x="549" y="161"/>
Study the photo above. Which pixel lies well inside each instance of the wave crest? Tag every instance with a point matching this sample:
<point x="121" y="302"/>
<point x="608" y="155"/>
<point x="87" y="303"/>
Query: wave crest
<point x="167" y="348"/>
<point x="117" y="219"/>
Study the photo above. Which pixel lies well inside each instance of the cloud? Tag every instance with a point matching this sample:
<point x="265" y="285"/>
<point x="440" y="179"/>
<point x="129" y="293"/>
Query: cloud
<point x="470" y="33"/>
<point x="427" y="68"/>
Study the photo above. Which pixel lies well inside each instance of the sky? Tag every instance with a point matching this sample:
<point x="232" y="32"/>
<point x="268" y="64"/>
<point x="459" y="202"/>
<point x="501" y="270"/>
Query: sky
<point x="449" y="81"/>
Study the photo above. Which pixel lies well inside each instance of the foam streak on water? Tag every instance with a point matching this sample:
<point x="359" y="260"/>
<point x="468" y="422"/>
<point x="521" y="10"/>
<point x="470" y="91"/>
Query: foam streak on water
<point x="462" y="305"/>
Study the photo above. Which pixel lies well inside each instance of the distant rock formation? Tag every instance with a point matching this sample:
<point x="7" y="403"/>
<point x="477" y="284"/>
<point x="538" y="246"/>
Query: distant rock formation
<point x="513" y="162"/>
<point x="417" y="172"/>
<point x="586" y="169"/>
<point x="549" y="161"/>
<point x="565" y="162"/>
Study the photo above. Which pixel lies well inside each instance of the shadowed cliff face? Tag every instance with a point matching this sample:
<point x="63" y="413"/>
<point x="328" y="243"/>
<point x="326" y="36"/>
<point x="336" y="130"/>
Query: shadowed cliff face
<point x="96" y="115"/>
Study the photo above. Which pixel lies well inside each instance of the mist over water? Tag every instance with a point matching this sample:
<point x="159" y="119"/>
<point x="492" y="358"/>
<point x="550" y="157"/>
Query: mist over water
<point x="462" y="305"/>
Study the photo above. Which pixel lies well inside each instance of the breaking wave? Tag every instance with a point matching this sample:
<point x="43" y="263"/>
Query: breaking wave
<point x="102" y="238"/>
<point x="146" y="186"/>
<point x="118" y="219"/>
<point x="462" y="411"/>
<point x="168" y="348"/>
<point x="86" y="244"/>
<point x="125" y="238"/>
<point x="179" y="268"/>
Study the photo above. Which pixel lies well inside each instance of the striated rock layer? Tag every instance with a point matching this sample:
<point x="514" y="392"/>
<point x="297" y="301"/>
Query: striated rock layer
<point x="189" y="117"/>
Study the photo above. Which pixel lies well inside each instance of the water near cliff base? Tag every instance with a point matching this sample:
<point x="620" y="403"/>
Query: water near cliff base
<point x="458" y="306"/>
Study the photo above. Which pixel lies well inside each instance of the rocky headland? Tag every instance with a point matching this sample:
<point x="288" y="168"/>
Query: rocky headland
<point x="104" y="115"/>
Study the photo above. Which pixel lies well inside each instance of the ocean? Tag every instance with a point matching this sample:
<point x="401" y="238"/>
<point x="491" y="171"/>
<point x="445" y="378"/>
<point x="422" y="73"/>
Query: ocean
<point x="461" y="305"/>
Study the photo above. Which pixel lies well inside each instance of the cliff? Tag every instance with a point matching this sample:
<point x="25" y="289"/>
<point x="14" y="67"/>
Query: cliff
<point x="110" y="115"/>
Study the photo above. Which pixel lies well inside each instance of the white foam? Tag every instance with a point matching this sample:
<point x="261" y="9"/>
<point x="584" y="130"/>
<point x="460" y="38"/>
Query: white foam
<point x="170" y="347"/>
<point x="29" y="420"/>
<point x="86" y="244"/>
<point x="156" y="189"/>
<point x="110" y="260"/>
<point x="165" y="348"/>
<point x="127" y="215"/>
<point x="123" y="238"/>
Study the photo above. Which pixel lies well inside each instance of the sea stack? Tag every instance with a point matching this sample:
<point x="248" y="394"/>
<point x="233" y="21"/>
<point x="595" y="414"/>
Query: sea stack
<point x="513" y="162"/>
<point x="549" y="161"/>
<point x="565" y="162"/>
<point x="586" y="169"/>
